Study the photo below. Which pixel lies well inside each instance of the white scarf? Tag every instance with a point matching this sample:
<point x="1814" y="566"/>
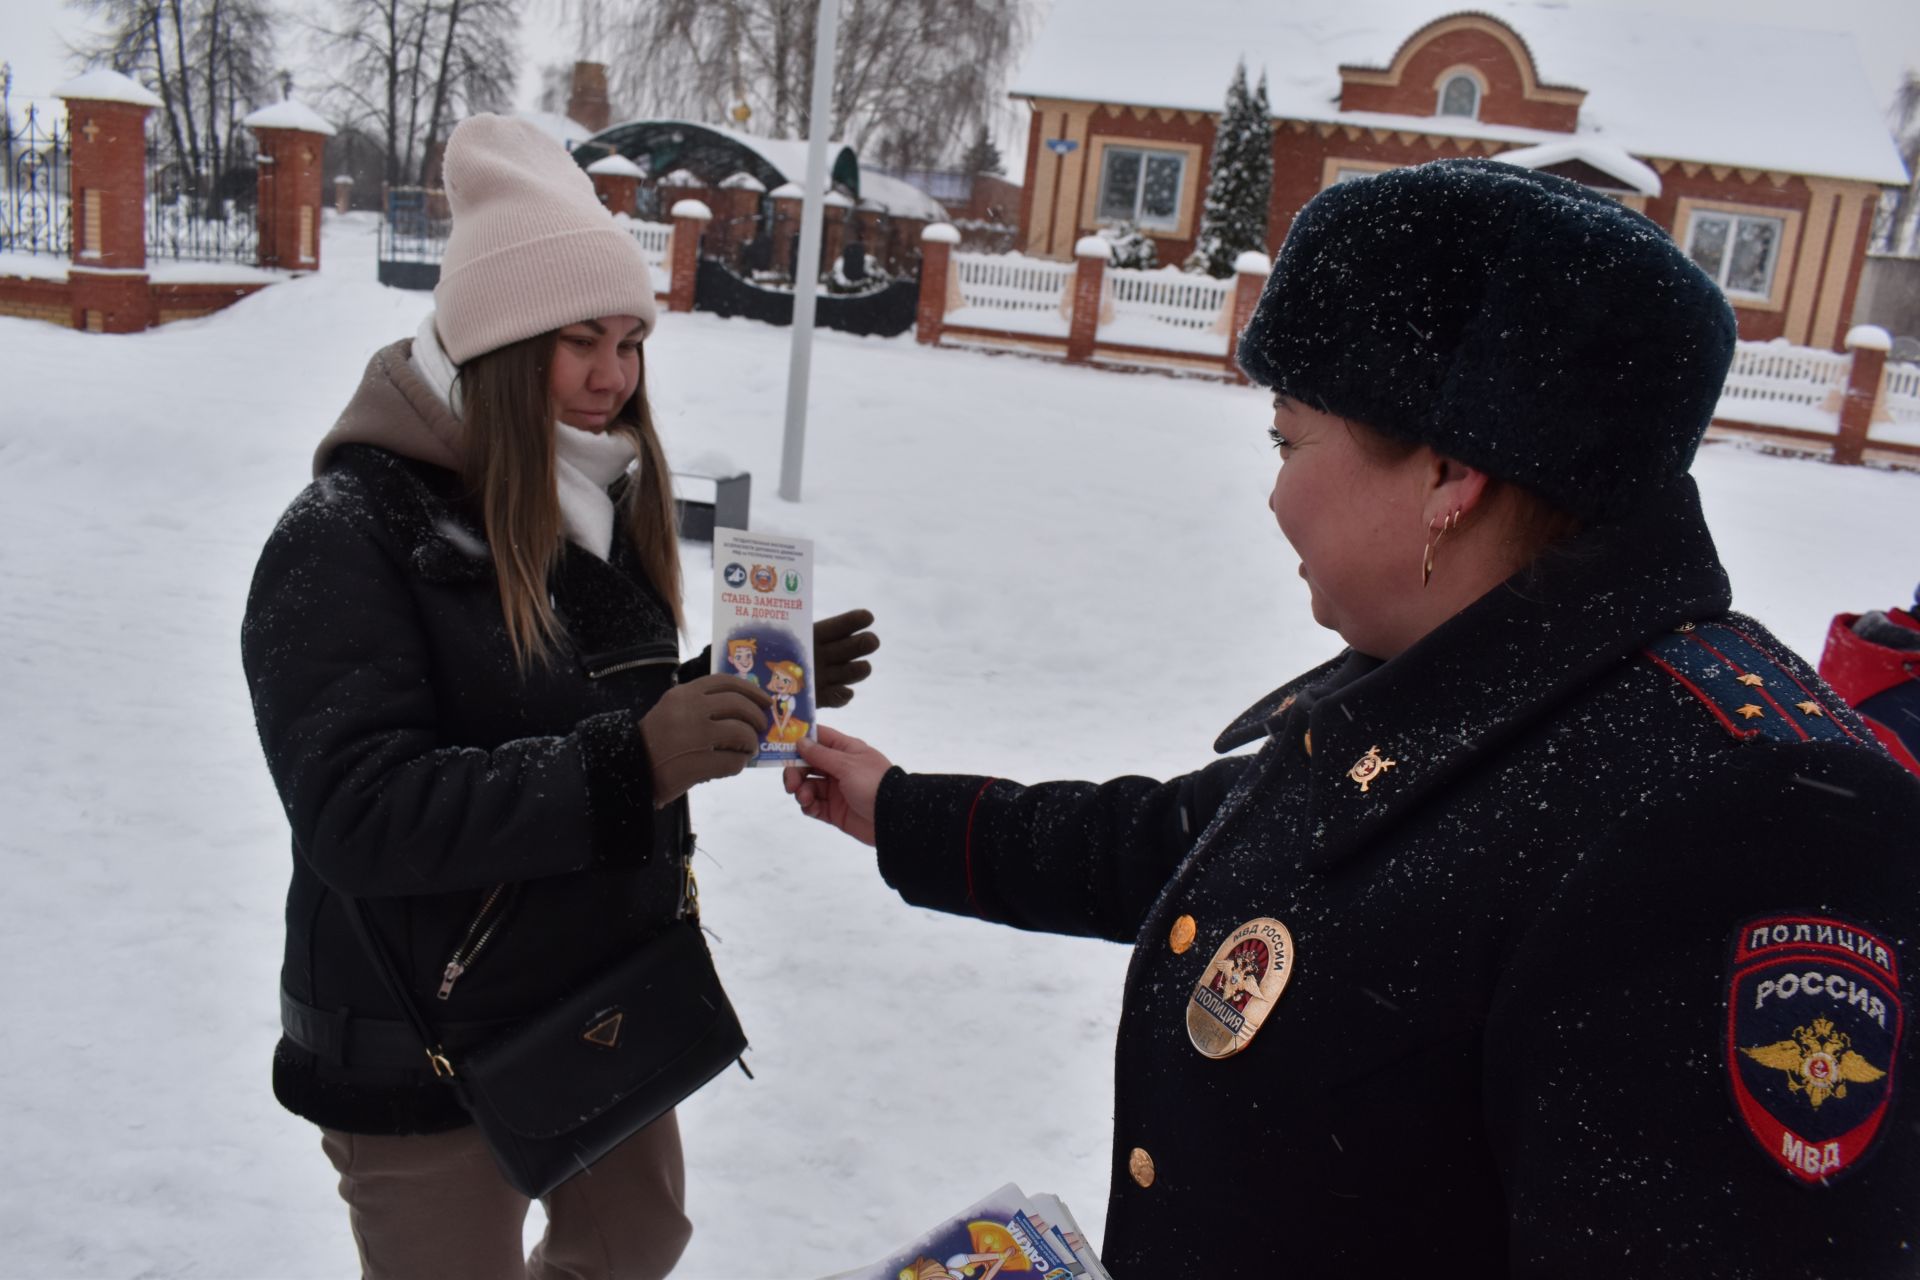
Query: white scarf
<point x="584" y="462"/>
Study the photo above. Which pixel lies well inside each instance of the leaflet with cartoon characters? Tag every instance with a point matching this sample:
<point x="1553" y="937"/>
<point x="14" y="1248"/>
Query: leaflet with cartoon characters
<point x="1008" y="1233"/>
<point x="763" y="629"/>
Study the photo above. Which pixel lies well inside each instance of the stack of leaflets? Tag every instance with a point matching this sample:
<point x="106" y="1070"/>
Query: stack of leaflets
<point x="1008" y="1232"/>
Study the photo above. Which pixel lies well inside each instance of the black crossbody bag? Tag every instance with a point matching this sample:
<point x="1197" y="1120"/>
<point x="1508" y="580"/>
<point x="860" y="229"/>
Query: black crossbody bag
<point x="559" y="1090"/>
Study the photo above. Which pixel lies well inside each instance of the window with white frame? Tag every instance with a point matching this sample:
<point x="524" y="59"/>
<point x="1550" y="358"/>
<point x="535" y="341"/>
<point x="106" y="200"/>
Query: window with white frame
<point x="1142" y="187"/>
<point x="1460" y="96"/>
<point x="1739" y="250"/>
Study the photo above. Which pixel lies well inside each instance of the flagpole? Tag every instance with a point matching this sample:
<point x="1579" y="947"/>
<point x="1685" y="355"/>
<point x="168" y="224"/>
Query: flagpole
<point x="806" y="268"/>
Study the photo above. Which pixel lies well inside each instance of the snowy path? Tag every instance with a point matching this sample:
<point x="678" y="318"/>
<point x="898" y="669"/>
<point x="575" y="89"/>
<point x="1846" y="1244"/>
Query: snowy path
<point x="1075" y="575"/>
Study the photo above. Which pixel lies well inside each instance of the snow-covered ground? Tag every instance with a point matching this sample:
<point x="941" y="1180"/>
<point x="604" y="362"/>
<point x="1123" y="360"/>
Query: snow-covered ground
<point x="1074" y="573"/>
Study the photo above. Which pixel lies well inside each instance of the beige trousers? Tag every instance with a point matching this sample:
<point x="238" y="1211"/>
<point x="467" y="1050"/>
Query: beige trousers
<point x="435" y="1205"/>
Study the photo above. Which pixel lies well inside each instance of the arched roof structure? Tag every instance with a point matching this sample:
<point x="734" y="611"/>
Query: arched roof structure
<point x="714" y="154"/>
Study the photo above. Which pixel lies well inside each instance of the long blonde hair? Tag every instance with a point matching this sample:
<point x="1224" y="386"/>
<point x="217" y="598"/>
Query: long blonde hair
<point x="510" y="468"/>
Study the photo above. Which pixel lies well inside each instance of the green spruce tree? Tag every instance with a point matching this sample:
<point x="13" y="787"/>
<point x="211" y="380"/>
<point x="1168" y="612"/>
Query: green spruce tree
<point x="1239" y="181"/>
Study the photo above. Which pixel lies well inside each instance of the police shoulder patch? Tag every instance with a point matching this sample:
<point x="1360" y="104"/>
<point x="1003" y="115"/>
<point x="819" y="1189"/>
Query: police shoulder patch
<point x="1814" y="1025"/>
<point x="1749" y="690"/>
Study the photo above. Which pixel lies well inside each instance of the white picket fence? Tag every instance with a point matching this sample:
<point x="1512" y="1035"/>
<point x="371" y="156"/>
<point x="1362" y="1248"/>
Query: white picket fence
<point x="1172" y="298"/>
<point x="1151" y="309"/>
<point x="656" y="242"/>
<point x="1903" y="393"/>
<point x="1012" y="282"/>
<point x="1778" y="384"/>
<point x="1778" y="373"/>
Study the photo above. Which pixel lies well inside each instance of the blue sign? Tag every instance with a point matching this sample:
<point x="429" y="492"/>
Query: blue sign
<point x="736" y="575"/>
<point x="1061" y="146"/>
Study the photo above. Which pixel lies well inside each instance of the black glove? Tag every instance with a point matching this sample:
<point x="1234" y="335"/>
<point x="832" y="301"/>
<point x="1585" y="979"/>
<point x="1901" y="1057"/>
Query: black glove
<point x="839" y="643"/>
<point x="704" y="729"/>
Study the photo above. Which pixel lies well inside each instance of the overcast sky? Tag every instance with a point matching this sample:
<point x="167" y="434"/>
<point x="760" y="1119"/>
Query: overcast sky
<point x="34" y="35"/>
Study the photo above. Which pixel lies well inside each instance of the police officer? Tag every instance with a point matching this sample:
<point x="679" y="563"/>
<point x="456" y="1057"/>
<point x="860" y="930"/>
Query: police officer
<point x="1557" y="927"/>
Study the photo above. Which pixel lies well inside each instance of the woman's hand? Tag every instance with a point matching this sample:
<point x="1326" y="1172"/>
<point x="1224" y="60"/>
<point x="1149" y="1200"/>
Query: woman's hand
<point x="839" y="644"/>
<point x="839" y="783"/>
<point x="703" y="729"/>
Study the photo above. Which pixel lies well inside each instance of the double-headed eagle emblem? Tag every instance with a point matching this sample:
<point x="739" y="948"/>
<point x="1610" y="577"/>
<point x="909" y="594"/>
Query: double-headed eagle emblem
<point x="1818" y="1061"/>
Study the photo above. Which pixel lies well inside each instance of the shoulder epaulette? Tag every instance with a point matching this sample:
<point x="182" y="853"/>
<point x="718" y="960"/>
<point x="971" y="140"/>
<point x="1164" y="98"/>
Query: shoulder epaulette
<point x="1749" y="691"/>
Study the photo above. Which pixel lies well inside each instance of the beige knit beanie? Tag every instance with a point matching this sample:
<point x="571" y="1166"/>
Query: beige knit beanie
<point x="532" y="248"/>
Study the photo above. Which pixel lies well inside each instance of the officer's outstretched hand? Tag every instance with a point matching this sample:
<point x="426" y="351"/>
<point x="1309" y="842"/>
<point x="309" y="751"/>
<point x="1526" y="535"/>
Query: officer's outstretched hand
<point x="839" y="782"/>
<point x="839" y="644"/>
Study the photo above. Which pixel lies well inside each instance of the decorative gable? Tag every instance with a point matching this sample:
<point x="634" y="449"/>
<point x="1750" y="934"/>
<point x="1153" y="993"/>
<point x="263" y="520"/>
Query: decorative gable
<point x="1464" y="65"/>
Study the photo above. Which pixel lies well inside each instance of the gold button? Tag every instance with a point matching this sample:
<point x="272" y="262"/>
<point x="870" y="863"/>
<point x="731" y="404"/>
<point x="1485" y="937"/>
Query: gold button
<point x="1307" y="741"/>
<point x="1182" y="936"/>
<point x="1140" y="1165"/>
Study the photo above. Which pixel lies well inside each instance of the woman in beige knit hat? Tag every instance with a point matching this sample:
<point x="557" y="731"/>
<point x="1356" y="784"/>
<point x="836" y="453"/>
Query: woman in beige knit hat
<point x="462" y="646"/>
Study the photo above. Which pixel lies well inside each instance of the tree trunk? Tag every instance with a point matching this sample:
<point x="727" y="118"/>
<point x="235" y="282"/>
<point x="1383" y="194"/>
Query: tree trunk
<point x="186" y="94"/>
<point x="214" y="158"/>
<point x="166" y="83"/>
<point x="440" y="87"/>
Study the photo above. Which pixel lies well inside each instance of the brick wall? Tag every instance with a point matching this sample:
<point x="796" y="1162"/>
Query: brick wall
<point x="48" y="300"/>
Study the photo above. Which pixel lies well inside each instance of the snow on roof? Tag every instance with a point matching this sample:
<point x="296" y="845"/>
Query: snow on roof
<point x="682" y="178"/>
<point x="103" y="85"/>
<point x="563" y="129"/>
<point x="1604" y="156"/>
<point x="789" y="191"/>
<point x="291" y="114"/>
<point x="742" y="181"/>
<point x="616" y="166"/>
<point x="901" y="199"/>
<point x="1658" y="84"/>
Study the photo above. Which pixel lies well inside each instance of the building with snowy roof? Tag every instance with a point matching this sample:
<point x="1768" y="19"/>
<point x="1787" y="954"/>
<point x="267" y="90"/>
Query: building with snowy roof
<point x="1760" y="150"/>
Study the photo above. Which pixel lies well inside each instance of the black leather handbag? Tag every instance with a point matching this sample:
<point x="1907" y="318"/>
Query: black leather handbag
<point x="557" y="1091"/>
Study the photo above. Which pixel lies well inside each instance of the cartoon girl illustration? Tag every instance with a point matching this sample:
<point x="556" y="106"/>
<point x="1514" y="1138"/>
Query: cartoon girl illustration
<point x="741" y="655"/>
<point x="786" y="679"/>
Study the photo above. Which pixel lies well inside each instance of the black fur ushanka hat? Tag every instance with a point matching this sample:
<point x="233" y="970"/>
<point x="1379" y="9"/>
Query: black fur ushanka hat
<point x="1518" y="322"/>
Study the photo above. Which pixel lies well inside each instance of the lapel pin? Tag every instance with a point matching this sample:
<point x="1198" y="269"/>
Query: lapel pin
<point x="1368" y="769"/>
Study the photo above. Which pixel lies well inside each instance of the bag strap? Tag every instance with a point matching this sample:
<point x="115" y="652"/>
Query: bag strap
<point x="390" y="978"/>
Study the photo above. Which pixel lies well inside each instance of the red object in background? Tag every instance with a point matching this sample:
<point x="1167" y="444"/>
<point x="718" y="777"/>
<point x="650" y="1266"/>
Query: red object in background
<point x="1880" y="682"/>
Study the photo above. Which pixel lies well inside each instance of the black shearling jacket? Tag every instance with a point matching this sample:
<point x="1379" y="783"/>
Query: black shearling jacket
<point x="1558" y="970"/>
<point x="422" y="772"/>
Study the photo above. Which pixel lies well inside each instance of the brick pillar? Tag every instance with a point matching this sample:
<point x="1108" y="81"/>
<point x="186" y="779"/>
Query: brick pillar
<point x="833" y="229"/>
<point x="343" y="194"/>
<point x="293" y="144"/>
<point x="690" y="219"/>
<point x="786" y="226"/>
<point x="936" y="261"/>
<point x="1869" y="344"/>
<point x="621" y="194"/>
<point x="1250" y="271"/>
<point x="1091" y="255"/>
<point x="107" y="131"/>
<point x="736" y="216"/>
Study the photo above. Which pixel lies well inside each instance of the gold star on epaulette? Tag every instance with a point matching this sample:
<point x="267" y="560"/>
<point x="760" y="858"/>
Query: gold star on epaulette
<point x="1751" y="679"/>
<point x="1811" y="708"/>
<point x="1751" y="712"/>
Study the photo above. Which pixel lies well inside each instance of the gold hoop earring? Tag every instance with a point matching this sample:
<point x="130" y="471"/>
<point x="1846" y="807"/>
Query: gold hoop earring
<point x="1439" y="529"/>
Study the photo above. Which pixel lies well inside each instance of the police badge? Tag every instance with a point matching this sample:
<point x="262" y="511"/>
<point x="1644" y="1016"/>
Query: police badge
<point x="1236" y="992"/>
<point x="1813" y="1028"/>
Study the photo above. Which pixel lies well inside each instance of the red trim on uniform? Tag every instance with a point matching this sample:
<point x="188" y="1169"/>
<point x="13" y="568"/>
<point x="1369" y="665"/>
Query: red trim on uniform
<point x="1892" y="742"/>
<point x="1705" y="701"/>
<point x="1811" y="696"/>
<point x="967" y="848"/>
<point x="1739" y="670"/>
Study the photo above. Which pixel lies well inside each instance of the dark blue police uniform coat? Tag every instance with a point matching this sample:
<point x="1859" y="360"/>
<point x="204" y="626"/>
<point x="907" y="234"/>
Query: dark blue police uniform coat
<point x="1599" y="973"/>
